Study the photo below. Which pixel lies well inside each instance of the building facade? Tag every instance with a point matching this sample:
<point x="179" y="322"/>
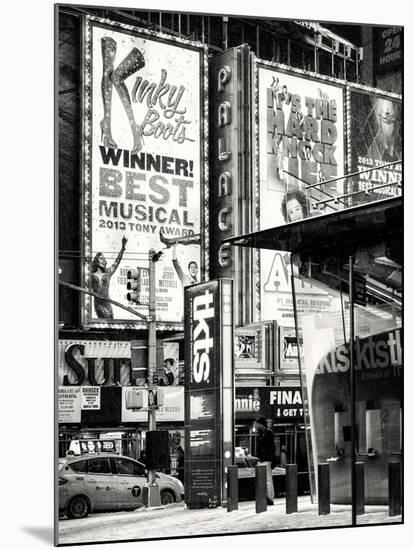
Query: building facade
<point x="178" y="132"/>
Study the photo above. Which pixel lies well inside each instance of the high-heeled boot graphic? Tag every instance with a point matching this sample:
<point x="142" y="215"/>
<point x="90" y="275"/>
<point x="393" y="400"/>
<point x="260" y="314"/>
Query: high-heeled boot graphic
<point x="108" y="47"/>
<point x="132" y="63"/>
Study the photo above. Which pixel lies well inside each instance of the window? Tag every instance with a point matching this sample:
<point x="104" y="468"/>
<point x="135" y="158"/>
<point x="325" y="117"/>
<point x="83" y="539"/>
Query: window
<point x="99" y="466"/>
<point x="128" y="467"/>
<point x="79" y="466"/>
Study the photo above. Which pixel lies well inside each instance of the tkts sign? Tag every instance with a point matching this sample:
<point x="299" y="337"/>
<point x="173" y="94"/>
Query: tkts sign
<point x="203" y="340"/>
<point x="375" y="357"/>
<point x="208" y="391"/>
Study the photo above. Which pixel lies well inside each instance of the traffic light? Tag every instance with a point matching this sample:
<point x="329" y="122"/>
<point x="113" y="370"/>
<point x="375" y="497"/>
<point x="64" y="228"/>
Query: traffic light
<point x="156" y="397"/>
<point x="155" y="256"/>
<point x="135" y="399"/>
<point x="142" y="399"/>
<point x="133" y="285"/>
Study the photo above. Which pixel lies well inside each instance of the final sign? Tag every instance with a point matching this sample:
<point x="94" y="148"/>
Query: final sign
<point x="282" y="404"/>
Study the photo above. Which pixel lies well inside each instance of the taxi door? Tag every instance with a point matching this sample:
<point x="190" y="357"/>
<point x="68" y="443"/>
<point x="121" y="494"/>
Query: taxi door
<point x="131" y="477"/>
<point x="101" y="485"/>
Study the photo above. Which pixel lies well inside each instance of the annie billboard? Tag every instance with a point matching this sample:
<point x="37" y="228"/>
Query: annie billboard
<point x="144" y="168"/>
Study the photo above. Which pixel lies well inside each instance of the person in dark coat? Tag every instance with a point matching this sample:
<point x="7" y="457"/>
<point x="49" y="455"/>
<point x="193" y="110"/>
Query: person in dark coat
<point x="180" y="463"/>
<point x="265" y="451"/>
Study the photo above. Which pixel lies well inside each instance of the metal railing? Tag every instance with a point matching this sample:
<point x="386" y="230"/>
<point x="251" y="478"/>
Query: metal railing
<point x="350" y="190"/>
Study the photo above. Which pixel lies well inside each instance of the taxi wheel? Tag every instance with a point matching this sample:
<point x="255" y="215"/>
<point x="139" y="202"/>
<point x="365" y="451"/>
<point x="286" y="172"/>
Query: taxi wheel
<point x="167" y="497"/>
<point x="78" y="508"/>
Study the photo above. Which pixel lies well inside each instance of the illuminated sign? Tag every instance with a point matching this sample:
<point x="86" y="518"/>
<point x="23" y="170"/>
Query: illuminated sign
<point x="94" y="363"/>
<point x="372" y="355"/>
<point x="203" y="340"/>
<point x="230" y="178"/>
<point x="280" y="403"/>
<point x="301" y="145"/>
<point x="389" y="47"/>
<point x="97" y="446"/>
<point x="208" y="392"/>
<point x="144" y="168"/>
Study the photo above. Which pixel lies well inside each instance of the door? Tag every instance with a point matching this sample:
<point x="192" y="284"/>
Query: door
<point x="101" y="485"/>
<point x="131" y="478"/>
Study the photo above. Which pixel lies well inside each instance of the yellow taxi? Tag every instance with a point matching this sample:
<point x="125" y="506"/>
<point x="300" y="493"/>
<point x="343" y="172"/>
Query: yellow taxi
<point x="108" y="482"/>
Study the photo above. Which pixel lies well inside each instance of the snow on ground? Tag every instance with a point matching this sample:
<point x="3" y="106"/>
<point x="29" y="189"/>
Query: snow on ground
<point x="175" y="520"/>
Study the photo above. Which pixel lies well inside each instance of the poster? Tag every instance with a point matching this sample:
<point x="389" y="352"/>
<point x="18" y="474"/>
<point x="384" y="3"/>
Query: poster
<point x="91" y="398"/>
<point x="276" y="291"/>
<point x="143" y="170"/>
<point x="69" y="405"/>
<point x="301" y="145"/>
<point x="375" y="145"/>
<point x="289" y="350"/>
<point x="171" y="411"/>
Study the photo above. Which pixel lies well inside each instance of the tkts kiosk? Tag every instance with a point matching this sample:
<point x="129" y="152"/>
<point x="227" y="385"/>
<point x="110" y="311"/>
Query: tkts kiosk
<point x="209" y="392"/>
<point x="352" y="401"/>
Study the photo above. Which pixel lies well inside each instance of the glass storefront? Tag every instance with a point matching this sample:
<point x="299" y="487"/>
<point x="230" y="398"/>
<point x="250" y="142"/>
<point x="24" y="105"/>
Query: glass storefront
<point x="376" y="399"/>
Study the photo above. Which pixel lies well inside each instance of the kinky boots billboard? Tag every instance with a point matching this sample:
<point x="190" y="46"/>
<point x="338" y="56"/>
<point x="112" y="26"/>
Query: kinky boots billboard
<point x="209" y="392"/>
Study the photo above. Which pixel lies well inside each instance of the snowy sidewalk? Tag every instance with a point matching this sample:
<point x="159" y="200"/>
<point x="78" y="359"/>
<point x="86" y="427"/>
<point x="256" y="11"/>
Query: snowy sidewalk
<point x="176" y="520"/>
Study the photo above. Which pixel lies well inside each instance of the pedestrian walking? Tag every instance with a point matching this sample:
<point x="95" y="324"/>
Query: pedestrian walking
<point x="265" y="451"/>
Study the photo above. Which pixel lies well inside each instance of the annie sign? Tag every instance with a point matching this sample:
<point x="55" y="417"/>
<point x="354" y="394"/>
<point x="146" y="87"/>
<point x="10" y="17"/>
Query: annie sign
<point x="144" y="160"/>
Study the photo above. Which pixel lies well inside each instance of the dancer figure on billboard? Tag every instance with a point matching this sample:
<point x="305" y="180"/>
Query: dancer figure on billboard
<point x="101" y="278"/>
<point x="274" y="86"/>
<point x="295" y="206"/>
<point x="277" y="149"/>
<point x="189" y="278"/>
<point x="132" y="63"/>
<point x="383" y="146"/>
